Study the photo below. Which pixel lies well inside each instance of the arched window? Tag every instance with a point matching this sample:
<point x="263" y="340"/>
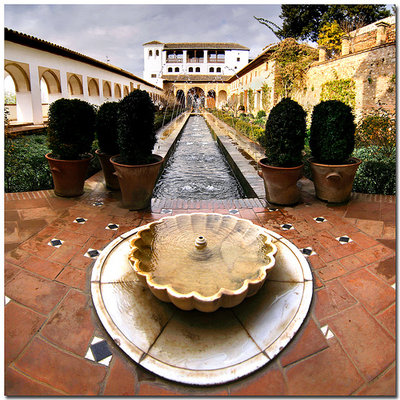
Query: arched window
<point x="211" y="69"/>
<point x="218" y="69"/>
<point x="190" y="69"/>
<point x="169" y="69"/>
<point x="150" y="53"/>
<point x="157" y="53"/>
<point x="176" y="69"/>
<point x="197" y="69"/>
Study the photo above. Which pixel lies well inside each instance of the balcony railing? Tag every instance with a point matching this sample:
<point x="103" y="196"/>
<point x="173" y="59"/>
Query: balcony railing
<point x="175" y="60"/>
<point x="195" y="60"/>
<point x="215" y="60"/>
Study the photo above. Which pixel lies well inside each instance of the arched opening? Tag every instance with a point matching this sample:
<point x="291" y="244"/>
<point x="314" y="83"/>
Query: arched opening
<point x="50" y="88"/>
<point x="211" y="99"/>
<point x="190" y="69"/>
<point x="180" y="97"/>
<point x="93" y="87"/>
<point x="117" y="91"/>
<point x="106" y="89"/>
<point x="176" y="69"/>
<point x="126" y="90"/>
<point x="157" y="53"/>
<point x="170" y="69"/>
<point x="211" y="69"/>
<point x="10" y="97"/>
<point x="219" y="69"/>
<point x="150" y="53"/>
<point x="195" y="98"/>
<point x="16" y="82"/>
<point x="222" y="98"/>
<point x="197" y="69"/>
<point x="74" y="85"/>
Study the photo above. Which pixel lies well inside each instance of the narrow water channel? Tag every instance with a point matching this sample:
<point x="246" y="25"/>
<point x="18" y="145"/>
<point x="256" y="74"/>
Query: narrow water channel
<point x="197" y="169"/>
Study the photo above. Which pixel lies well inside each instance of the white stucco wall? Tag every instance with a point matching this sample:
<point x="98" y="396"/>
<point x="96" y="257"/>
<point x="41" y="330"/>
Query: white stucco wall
<point x="29" y="106"/>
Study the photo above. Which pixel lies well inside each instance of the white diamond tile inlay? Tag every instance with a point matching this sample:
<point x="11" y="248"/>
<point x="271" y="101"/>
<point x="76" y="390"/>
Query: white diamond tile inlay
<point x="327" y="332"/>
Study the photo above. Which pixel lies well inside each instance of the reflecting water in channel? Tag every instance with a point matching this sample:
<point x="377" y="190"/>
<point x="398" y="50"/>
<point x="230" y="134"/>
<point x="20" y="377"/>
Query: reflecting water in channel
<point x="197" y="169"/>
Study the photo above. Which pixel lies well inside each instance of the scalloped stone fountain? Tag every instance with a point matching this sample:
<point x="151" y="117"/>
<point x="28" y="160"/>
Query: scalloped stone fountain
<point x="199" y="298"/>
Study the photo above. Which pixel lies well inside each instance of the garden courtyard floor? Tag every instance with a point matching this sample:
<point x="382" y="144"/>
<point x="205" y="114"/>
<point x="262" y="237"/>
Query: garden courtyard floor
<point x="345" y="346"/>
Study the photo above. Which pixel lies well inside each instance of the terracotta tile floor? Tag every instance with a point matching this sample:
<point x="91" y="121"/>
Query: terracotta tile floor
<point x="345" y="346"/>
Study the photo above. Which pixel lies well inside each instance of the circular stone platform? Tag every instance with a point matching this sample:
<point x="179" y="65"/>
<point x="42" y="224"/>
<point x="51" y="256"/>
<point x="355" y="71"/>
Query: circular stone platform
<point x="201" y="348"/>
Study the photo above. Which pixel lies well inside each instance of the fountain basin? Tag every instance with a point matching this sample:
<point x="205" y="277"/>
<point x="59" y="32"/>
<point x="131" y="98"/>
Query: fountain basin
<point x="202" y="261"/>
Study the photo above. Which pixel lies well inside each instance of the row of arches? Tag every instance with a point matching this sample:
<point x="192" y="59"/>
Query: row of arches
<point x="196" y="97"/>
<point x="195" y="69"/>
<point x="28" y="85"/>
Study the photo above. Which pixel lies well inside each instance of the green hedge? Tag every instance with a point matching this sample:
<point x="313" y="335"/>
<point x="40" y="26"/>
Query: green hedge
<point x="254" y="132"/>
<point x="377" y="172"/>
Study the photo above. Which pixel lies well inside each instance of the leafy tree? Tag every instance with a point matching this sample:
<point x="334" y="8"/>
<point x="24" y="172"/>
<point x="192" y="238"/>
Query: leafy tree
<point x="330" y="37"/>
<point x="292" y="61"/>
<point x="304" y="22"/>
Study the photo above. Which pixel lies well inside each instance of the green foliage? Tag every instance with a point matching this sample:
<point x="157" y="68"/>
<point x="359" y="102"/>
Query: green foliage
<point x="292" y="62"/>
<point x="377" y="128"/>
<point x="332" y="132"/>
<point x="106" y="127"/>
<point x="71" y="128"/>
<point x="261" y="114"/>
<point x="25" y="168"/>
<point x="377" y="172"/>
<point x="266" y="93"/>
<point x="250" y="94"/>
<point x="10" y="98"/>
<point x="136" y="133"/>
<point x="285" y="132"/>
<point x="330" y="37"/>
<point x="248" y="129"/>
<point x="304" y="22"/>
<point x="343" y="90"/>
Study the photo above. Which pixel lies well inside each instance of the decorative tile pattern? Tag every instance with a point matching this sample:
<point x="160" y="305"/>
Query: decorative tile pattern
<point x="287" y="227"/>
<point x="55" y="242"/>
<point x="97" y="204"/>
<point x="99" y="351"/>
<point x="319" y="220"/>
<point x="271" y="209"/>
<point x="233" y="211"/>
<point x="6" y="300"/>
<point x="394" y="286"/>
<point x="308" y="251"/>
<point x="327" y="332"/>
<point x="80" y="220"/>
<point x="344" y="239"/>
<point x="112" y="227"/>
<point x="92" y="253"/>
<point x="166" y="211"/>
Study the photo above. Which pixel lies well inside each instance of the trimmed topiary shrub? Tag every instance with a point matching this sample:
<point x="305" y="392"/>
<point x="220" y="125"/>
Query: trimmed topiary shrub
<point x="261" y="114"/>
<point x="136" y="133"/>
<point x="106" y="127"/>
<point x="332" y="132"/>
<point x="71" y="128"/>
<point x="285" y="132"/>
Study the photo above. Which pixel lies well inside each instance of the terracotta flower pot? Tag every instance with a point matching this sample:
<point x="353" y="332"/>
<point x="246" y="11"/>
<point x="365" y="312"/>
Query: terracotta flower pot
<point x="137" y="182"/>
<point x="110" y="178"/>
<point x="68" y="175"/>
<point x="281" y="183"/>
<point x="333" y="183"/>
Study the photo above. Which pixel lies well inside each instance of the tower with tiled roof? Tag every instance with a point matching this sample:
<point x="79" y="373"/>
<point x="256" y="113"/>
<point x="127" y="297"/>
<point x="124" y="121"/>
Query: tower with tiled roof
<point x="186" y="61"/>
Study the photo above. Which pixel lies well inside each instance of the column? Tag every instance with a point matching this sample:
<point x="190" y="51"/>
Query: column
<point x="64" y="84"/>
<point x="85" y="88"/>
<point x="381" y="33"/>
<point x="345" y="45"/>
<point x="36" y="98"/>
<point x="322" y="55"/>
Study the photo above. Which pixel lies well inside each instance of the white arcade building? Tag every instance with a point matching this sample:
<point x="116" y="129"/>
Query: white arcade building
<point x="186" y="60"/>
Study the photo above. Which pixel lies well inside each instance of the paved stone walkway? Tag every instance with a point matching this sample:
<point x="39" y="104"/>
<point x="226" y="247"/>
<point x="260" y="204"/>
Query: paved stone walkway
<point x="345" y="346"/>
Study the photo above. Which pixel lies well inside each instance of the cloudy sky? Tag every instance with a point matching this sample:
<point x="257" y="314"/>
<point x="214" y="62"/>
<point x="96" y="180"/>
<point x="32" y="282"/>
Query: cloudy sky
<point x="117" y="32"/>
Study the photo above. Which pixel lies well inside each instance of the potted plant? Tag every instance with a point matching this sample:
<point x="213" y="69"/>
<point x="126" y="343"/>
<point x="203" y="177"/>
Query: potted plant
<point x="332" y="134"/>
<point x="136" y="167"/>
<point x="69" y="136"/>
<point x="284" y="136"/>
<point x="106" y="132"/>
